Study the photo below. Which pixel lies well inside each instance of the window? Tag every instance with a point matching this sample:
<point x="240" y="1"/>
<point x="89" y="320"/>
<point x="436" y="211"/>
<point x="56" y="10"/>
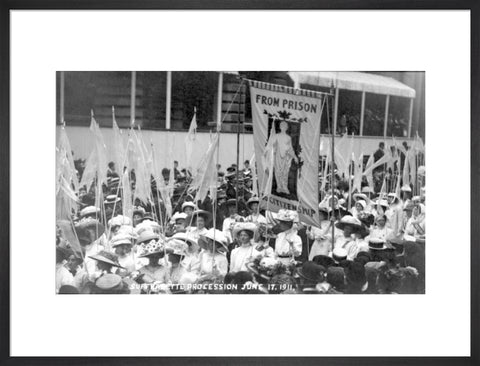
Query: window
<point x="374" y="117"/>
<point x="193" y="89"/>
<point x="97" y="91"/>
<point x="151" y="95"/>
<point x="349" y="109"/>
<point x="398" y="115"/>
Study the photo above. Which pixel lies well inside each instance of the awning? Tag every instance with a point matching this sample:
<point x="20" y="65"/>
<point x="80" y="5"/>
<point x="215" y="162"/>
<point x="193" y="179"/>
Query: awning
<point x="359" y="81"/>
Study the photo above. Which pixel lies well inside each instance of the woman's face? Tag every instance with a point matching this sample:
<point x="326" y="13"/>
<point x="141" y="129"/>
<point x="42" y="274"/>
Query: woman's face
<point x="347" y="231"/>
<point x="283" y="127"/>
<point x="243" y="237"/>
<point x="200" y="222"/>
<point x="254" y="207"/>
<point x="123" y="249"/>
<point x="416" y="211"/>
<point x="180" y="224"/>
<point x="153" y="260"/>
<point x="188" y="210"/>
<point x="359" y="207"/>
<point x="174" y="258"/>
<point x="381" y="222"/>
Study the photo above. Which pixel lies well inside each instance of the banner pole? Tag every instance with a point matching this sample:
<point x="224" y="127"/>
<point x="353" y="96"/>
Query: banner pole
<point x="332" y="173"/>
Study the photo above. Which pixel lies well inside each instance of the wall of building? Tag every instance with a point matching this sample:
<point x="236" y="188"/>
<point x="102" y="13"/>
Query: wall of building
<point x="82" y="144"/>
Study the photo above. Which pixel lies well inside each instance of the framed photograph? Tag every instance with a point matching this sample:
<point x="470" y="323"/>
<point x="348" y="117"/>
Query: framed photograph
<point x="244" y="156"/>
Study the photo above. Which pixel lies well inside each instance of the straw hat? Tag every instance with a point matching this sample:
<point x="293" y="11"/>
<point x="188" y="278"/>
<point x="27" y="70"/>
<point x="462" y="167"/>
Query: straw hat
<point x="360" y="196"/>
<point x="253" y="200"/>
<point x="350" y="221"/>
<point x="89" y="210"/>
<point x="188" y="204"/>
<point x="179" y="216"/>
<point x="153" y="247"/>
<point x="111" y="199"/>
<point x="88" y="230"/>
<point x="107" y="257"/>
<point x="119" y="220"/>
<point x="287" y="215"/>
<point x="147" y="236"/>
<point x="177" y="246"/>
<point x="339" y="254"/>
<point x="190" y="240"/>
<point x="244" y="226"/>
<point x="121" y="239"/>
<point x="217" y="236"/>
<point x="207" y="216"/>
<point x="377" y="244"/>
<point x="108" y="281"/>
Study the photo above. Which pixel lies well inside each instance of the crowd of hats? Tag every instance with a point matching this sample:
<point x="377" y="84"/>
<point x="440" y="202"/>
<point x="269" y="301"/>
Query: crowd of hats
<point x="384" y="266"/>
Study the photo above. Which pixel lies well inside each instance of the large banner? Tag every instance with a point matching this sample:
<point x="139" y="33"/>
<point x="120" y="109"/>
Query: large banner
<point x="286" y="133"/>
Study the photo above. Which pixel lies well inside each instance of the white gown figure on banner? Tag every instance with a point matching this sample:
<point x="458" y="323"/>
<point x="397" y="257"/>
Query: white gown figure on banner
<point x="284" y="154"/>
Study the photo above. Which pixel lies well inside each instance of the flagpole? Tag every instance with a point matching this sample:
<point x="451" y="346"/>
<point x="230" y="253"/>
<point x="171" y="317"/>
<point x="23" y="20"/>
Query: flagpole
<point x="332" y="173"/>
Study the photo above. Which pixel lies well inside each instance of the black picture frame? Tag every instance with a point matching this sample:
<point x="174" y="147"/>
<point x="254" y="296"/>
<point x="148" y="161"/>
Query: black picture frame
<point x="6" y="6"/>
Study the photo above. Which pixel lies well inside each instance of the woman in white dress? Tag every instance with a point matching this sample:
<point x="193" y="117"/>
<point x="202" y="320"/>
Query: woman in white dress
<point x="322" y="236"/>
<point x="381" y="230"/>
<point x="199" y="220"/>
<point x="245" y="252"/>
<point x="213" y="259"/>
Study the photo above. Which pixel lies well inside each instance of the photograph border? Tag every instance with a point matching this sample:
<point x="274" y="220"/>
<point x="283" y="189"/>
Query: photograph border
<point x="5" y="45"/>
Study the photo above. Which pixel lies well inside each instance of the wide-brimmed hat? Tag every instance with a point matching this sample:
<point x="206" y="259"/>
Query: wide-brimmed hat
<point x="111" y="199"/>
<point x="360" y="196"/>
<point x="109" y="283"/>
<point x="177" y="246"/>
<point x="89" y="210"/>
<point x="146" y="236"/>
<point x="312" y="271"/>
<point x="179" y="216"/>
<point x="121" y="239"/>
<point x="377" y="244"/>
<point x="107" y="257"/>
<point x="153" y="247"/>
<point x="119" y="220"/>
<point x="287" y="215"/>
<point x="252" y="200"/>
<point x="188" y="204"/>
<point x="207" y="216"/>
<point x="244" y="226"/>
<point x="147" y="225"/>
<point x="88" y="230"/>
<point x="149" y="216"/>
<point x="349" y="221"/>
<point x="217" y="236"/>
<point x="189" y="239"/>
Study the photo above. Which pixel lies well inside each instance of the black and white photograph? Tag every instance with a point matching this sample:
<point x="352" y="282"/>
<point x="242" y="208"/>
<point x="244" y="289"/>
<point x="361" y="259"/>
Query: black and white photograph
<point x="240" y="182"/>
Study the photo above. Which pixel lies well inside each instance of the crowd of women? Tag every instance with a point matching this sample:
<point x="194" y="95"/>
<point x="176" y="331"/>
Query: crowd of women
<point x="365" y="242"/>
